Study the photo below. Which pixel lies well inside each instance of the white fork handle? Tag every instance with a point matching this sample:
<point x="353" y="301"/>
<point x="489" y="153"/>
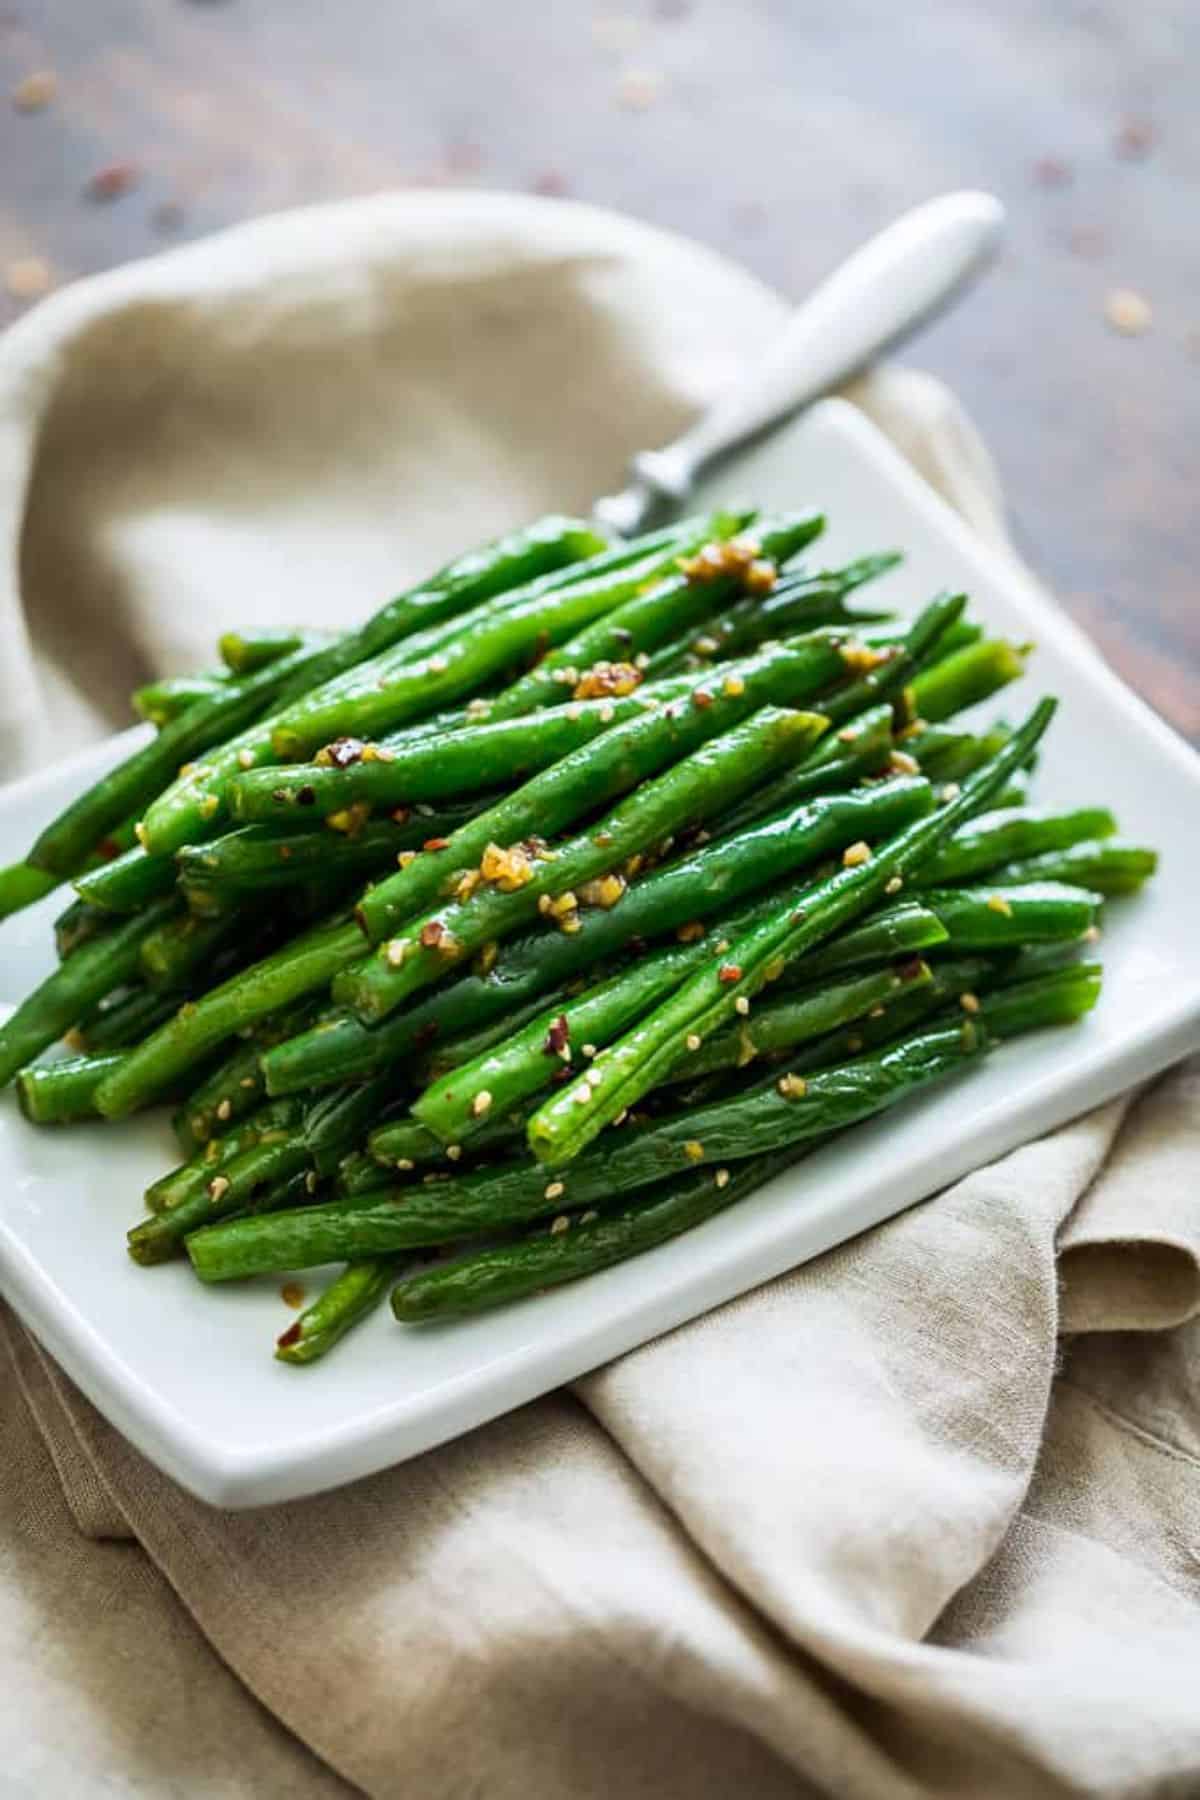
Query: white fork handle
<point x="880" y="294"/>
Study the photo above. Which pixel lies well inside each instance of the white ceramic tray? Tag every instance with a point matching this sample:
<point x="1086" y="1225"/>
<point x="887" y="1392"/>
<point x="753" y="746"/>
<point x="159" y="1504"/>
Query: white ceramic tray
<point x="188" y="1373"/>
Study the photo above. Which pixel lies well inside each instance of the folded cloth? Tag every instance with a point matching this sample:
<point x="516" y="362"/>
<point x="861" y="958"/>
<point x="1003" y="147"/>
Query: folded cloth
<point x="876" y="1529"/>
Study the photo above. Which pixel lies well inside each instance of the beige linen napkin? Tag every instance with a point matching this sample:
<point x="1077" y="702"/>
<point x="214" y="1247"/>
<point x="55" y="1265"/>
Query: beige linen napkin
<point x="876" y="1529"/>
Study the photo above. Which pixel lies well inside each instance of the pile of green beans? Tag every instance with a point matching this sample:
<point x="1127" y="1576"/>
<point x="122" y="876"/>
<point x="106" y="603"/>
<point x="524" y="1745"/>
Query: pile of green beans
<point x="551" y="911"/>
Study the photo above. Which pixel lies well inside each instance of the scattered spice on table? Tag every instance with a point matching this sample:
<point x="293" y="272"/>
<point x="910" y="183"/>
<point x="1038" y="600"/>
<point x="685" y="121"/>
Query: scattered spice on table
<point x="638" y="89"/>
<point x="1128" y="312"/>
<point x="1135" y="140"/>
<point x="28" y="278"/>
<point x="34" y="92"/>
<point x="1052" y="172"/>
<point x="112" y="182"/>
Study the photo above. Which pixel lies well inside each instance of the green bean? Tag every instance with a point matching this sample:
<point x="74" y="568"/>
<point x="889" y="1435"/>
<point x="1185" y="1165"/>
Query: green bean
<point x="997" y="917"/>
<point x="127" y="883"/>
<point x="161" y="701"/>
<point x="639" y="1060"/>
<point x="970" y="675"/>
<point x="125" y="1018"/>
<point x="597" y="773"/>
<point x="1001" y="837"/>
<point x="96" y="968"/>
<point x="244" y="651"/>
<point x="358" y="1290"/>
<point x="77" y="925"/>
<point x="1108" y="867"/>
<point x="694" y="789"/>
<point x="695" y="887"/>
<point x="60" y="1093"/>
<point x="301" y="967"/>
<point x="22" y="886"/>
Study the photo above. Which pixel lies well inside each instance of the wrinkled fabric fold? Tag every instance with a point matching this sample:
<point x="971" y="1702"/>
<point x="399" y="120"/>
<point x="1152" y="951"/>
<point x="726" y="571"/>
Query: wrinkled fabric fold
<point x="920" y="1518"/>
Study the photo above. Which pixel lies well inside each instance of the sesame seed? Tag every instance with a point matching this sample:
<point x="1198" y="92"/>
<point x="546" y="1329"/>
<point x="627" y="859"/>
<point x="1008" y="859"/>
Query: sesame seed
<point x="951" y="791"/>
<point x="693" y="1149"/>
<point x="589" y="1049"/>
<point x="855" y="855"/>
<point x="692" y="1041"/>
<point x="438" y="665"/>
<point x="405" y="1163"/>
<point x="582" y="1094"/>
<point x="555" y="1189"/>
<point x="722" y="1178"/>
<point x="876" y="1012"/>
<point x="394" y="952"/>
<point x="792" y="1087"/>
<point x="480" y="1103"/>
<point x="224" y="1110"/>
<point x="894" y="885"/>
<point x="245" y="759"/>
<point x="218" y="1187"/>
<point x="247" y="1081"/>
<point x="454" y="1151"/>
<point x="561" y="1224"/>
<point x="741" y="1005"/>
<point x="969" y="1002"/>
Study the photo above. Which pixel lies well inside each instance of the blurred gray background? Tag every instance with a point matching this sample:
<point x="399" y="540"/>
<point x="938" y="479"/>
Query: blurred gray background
<point x="780" y="131"/>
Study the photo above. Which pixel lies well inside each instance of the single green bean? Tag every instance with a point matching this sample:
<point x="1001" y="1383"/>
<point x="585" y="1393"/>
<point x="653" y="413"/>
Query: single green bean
<point x="1002" y="837"/>
<point x="60" y="1093"/>
<point x="1108" y="867"/>
<point x="358" y="1290"/>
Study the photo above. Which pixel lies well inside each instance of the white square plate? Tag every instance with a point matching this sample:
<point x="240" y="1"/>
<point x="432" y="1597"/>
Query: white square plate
<point x="187" y="1372"/>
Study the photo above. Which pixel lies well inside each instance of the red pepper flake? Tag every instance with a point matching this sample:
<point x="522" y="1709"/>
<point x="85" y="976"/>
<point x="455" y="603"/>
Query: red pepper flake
<point x="550" y="184"/>
<point x="729" y="973"/>
<point x="557" y="1036"/>
<point x="910" y="969"/>
<point x="107" y="850"/>
<point x="1135" y="140"/>
<point x="285" y="851"/>
<point x="345" y="751"/>
<point x="702" y="699"/>
<point x="112" y="182"/>
<point x="289" y="1337"/>
<point x="432" y="933"/>
<point x="306" y="796"/>
<point x="1052" y="172"/>
<point x="436" y="844"/>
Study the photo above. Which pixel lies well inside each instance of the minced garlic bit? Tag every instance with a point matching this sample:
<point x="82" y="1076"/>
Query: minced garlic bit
<point x="485" y="962"/>
<point x="861" y="658"/>
<point x="691" y="933"/>
<point x="478" y="708"/>
<point x="951" y="791"/>
<point x="561" y="1224"/>
<point x="901" y="763"/>
<point x="692" y="1041"/>
<point x="792" y="1087"/>
<point x="854" y="855"/>
<point x="969" y="1002"/>
<point x="722" y="1178"/>
<point x="706" y="646"/>
<point x="454" y="1151"/>
<point x="608" y="681"/>
<point x="245" y="759"/>
<point x="582" y="1094"/>
<point x="508" y="869"/>
<point x="481" y="1103"/>
<point x="395" y="951"/>
<point x="406" y="858"/>
<point x="349" y="819"/>
<point x="588" y="1049"/>
<point x="466" y="884"/>
<point x="605" y="891"/>
<point x="218" y="1187"/>
<point x="555" y="1190"/>
<point x="733" y="686"/>
<point x="998" y="904"/>
<point x="224" y="1110"/>
<point x="894" y="885"/>
<point x="693" y="1149"/>
<point x="875" y="1012"/>
<point x="405" y="1163"/>
<point x="741" y="1005"/>
<point x="761" y="576"/>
